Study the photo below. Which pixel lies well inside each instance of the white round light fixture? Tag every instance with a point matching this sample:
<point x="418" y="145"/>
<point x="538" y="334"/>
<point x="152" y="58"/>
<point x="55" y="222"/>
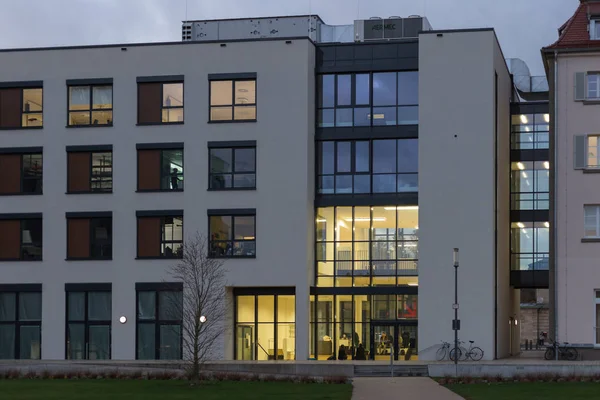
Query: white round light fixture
<point x="123" y="319"/>
<point x="202" y="319"/>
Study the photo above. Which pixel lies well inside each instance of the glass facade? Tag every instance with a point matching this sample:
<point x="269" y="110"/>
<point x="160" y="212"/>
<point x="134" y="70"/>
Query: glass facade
<point x="530" y="131"/>
<point x="530" y="185"/>
<point x="530" y="245"/>
<point x="368" y="99"/>
<point x="367" y="246"/>
<point x="265" y="327"/>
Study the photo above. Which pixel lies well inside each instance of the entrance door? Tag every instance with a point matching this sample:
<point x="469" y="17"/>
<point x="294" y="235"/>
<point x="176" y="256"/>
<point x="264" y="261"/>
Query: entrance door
<point x="245" y="342"/>
<point x="398" y="339"/>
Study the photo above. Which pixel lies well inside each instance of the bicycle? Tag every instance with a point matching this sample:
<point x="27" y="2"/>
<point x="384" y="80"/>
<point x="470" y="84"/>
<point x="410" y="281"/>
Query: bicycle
<point x="442" y="352"/>
<point x="564" y="352"/>
<point x="474" y="353"/>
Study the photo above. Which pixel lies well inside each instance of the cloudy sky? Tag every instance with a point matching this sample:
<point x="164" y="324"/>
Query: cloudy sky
<point x="523" y="26"/>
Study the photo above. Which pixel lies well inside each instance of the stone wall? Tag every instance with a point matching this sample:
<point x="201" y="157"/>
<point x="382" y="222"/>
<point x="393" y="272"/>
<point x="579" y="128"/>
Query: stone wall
<point x="534" y="320"/>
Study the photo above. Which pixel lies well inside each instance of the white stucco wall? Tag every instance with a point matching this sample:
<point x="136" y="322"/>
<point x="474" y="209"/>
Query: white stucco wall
<point x="285" y="185"/>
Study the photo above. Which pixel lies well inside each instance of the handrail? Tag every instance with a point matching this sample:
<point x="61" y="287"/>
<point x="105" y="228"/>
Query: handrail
<point x="262" y="348"/>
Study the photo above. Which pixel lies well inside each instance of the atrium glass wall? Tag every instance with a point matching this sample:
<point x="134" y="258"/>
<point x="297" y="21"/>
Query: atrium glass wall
<point x="265" y="327"/>
<point x="363" y="327"/>
<point x="530" y="185"/>
<point x="530" y="131"/>
<point x="368" y="99"/>
<point x="367" y="246"/>
<point x="530" y="245"/>
<point x="367" y="166"/>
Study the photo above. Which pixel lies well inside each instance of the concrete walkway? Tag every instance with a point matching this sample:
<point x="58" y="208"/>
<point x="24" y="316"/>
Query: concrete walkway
<point x="396" y="388"/>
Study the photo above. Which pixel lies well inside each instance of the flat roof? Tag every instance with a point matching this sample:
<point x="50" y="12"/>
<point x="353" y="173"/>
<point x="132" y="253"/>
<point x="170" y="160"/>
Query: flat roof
<point x="253" y="18"/>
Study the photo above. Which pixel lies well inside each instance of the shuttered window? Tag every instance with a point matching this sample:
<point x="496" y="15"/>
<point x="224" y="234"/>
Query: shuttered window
<point x="20" y="237"/>
<point x="160" y="102"/>
<point x="89" y="171"/>
<point x="89" y="237"/>
<point x="20" y="107"/>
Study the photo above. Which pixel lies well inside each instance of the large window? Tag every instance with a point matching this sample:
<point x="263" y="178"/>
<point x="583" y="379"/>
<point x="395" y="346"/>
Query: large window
<point x="530" y="131"/>
<point x="363" y="166"/>
<point x="90" y="105"/>
<point x="530" y="185"/>
<point x="89" y="171"/>
<point x="593" y="151"/>
<point x="160" y="234"/>
<point x="233" y="100"/>
<point x="232" y="167"/>
<point x="160" y="102"/>
<point x="530" y="245"/>
<point x="591" y="221"/>
<point x="364" y="246"/>
<point x="160" y="169"/>
<point x="265" y="327"/>
<point x="21" y="173"/>
<point x="232" y="235"/>
<point x="21" y="238"/>
<point x="20" y="322"/>
<point x="88" y="324"/>
<point x="159" y="323"/>
<point x="593" y="86"/>
<point x="21" y="107"/>
<point x="89" y="236"/>
<point x="377" y="99"/>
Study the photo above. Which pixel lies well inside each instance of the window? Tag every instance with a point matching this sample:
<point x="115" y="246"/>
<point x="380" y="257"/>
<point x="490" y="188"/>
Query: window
<point x="20" y="322"/>
<point x="530" y="185"/>
<point x="89" y="169"/>
<point x="160" y="102"/>
<point x="21" y="107"/>
<point x="593" y="86"/>
<point x="232" y="99"/>
<point x="265" y="326"/>
<point x="595" y="29"/>
<point x="530" y="245"/>
<point x="530" y="131"/>
<point x="377" y="166"/>
<point x="89" y="236"/>
<point x="21" y="173"/>
<point x="160" y="167"/>
<point x="232" y="235"/>
<point x="160" y="234"/>
<point x="159" y="321"/>
<point x="365" y="99"/>
<point x="232" y="167"/>
<point x="591" y="221"/>
<point x="593" y="154"/>
<point x="89" y="315"/>
<point x="367" y="246"/>
<point x="20" y="237"/>
<point x="91" y="104"/>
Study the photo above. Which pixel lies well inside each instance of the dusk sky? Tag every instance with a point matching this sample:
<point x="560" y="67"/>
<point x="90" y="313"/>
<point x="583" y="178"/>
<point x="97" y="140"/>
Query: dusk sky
<point x="522" y="26"/>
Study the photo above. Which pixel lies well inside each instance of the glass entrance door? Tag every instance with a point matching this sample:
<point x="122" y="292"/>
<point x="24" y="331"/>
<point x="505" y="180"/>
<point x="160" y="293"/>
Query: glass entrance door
<point x="398" y="340"/>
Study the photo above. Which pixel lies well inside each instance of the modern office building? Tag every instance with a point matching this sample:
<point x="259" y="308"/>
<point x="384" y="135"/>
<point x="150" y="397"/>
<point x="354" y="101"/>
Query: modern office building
<point x="333" y="168"/>
<point x="571" y="66"/>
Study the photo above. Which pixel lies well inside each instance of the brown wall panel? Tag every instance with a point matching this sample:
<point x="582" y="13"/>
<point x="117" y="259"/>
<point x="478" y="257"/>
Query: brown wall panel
<point x="149" y="103"/>
<point x="10" y="108"/>
<point x="148" y="237"/>
<point x="148" y="169"/>
<point x="10" y="173"/>
<point x="78" y="243"/>
<point x="79" y="172"/>
<point x="10" y="239"/>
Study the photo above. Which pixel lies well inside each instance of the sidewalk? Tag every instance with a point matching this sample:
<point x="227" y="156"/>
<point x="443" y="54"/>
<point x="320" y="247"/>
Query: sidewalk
<point x="406" y="388"/>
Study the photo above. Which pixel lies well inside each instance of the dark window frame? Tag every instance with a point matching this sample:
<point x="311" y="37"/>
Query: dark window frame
<point x="40" y="178"/>
<point x="163" y="107"/>
<point x="232" y="174"/>
<point x="157" y="321"/>
<point x="162" y="84"/>
<point x="93" y="222"/>
<point x="18" y="323"/>
<point x="22" y="222"/>
<point x="23" y="112"/>
<point x="86" y="322"/>
<point x="92" y="190"/>
<point x="96" y="173"/>
<point x="233" y="81"/>
<point x="164" y="243"/>
<point x="180" y="176"/>
<point x="91" y="109"/>
<point x="213" y="245"/>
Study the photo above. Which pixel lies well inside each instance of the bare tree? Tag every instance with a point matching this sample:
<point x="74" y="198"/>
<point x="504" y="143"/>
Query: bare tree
<point x="204" y="307"/>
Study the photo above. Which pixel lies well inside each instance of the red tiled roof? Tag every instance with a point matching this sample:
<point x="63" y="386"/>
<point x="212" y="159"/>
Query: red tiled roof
<point x="574" y="33"/>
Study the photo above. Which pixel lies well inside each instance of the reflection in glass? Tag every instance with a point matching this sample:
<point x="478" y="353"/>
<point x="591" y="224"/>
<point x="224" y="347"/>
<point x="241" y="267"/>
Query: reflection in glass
<point x="530" y="245"/>
<point x="384" y="89"/>
<point x="344" y="90"/>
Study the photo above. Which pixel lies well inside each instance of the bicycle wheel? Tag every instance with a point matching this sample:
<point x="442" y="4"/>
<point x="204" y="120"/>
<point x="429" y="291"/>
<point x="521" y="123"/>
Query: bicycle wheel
<point x="440" y="355"/>
<point x="571" y="354"/>
<point x="549" y="355"/>
<point x="476" y="354"/>
<point x="463" y="354"/>
<point x="455" y="354"/>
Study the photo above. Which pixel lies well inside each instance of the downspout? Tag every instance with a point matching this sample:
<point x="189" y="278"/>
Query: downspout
<point x="555" y="231"/>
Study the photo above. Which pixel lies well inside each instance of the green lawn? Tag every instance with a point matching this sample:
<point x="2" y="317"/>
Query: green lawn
<point x="167" y="390"/>
<point x="528" y="391"/>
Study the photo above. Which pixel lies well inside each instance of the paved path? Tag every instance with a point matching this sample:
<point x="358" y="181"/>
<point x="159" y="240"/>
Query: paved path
<point x="397" y="388"/>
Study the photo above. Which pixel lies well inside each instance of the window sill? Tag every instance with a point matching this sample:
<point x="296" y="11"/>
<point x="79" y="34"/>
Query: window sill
<point x="21" y="194"/>
<point x="590" y="240"/>
<point x="229" y="257"/>
<point x="231" y="189"/>
<point x="158" y="258"/>
<point x="232" y="121"/>
<point x="88" y="259"/>
<point x="90" y="126"/>
<point x="20" y="260"/>
<point x="591" y="170"/>
<point x="158" y="190"/>
<point x="20" y="128"/>
<point x="159" y="123"/>
<point x="89" y="192"/>
<point x="589" y="102"/>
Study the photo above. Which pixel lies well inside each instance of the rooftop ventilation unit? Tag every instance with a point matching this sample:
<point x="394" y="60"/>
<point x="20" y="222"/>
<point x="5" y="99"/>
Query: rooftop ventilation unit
<point x="390" y="28"/>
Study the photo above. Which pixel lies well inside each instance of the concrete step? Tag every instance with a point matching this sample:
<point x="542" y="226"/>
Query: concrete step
<point x="384" y="370"/>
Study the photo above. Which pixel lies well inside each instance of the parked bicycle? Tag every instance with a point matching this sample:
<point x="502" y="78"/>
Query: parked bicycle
<point x="565" y="352"/>
<point x="442" y="352"/>
<point x="473" y="352"/>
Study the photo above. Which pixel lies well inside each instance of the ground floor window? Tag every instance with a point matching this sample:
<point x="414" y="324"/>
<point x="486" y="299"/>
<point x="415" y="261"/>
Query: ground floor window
<point x="20" y="321"/>
<point x="265" y="327"/>
<point x="363" y="327"/>
<point x="89" y="314"/>
<point x="159" y="321"/>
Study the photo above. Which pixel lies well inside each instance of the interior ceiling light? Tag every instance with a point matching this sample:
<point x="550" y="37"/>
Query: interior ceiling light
<point x="547" y="224"/>
<point x="547" y="117"/>
<point x="547" y="164"/>
<point x="520" y="225"/>
<point x="524" y="119"/>
<point x="520" y="166"/>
